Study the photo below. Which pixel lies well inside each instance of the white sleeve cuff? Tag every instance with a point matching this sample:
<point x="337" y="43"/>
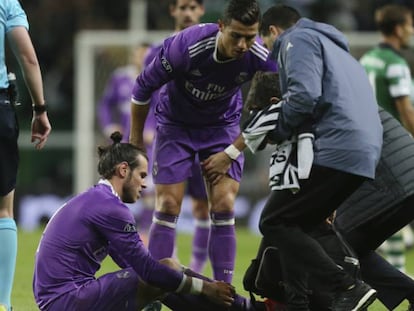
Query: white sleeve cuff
<point x="138" y="102"/>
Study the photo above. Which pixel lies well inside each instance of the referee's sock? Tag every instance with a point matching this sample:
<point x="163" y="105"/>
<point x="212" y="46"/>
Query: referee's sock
<point x="8" y="254"/>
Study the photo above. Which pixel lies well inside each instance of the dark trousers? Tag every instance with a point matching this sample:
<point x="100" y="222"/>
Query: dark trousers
<point x="392" y="285"/>
<point x="286" y="220"/>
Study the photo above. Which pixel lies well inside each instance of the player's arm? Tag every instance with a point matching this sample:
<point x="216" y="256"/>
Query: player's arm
<point x="22" y="47"/>
<point x="303" y="65"/>
<point x="116" y="257"/>
<point x="128" y="249"/>
<point x="139" y="112"/>
<point x="406" y="112"/>
<point x="169" y="62"/>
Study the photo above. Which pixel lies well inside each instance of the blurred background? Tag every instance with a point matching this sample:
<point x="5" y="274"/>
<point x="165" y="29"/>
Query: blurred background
<point x="80" y="42"/>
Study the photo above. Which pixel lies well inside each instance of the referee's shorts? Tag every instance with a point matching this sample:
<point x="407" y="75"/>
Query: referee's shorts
<point x="9" y="155"/>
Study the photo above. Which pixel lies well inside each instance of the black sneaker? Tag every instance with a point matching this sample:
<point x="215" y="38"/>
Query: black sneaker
<point x="355" y="299"/>
<point x="153" y="306"/>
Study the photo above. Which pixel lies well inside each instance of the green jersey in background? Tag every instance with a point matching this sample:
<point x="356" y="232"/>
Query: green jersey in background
<point x="389" y="75"/>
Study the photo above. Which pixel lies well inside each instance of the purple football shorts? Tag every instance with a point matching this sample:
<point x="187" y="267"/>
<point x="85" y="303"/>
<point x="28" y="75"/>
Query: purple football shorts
<point x="176" y="150"/>
<point x="112" y="291"/>
<point x="195" y="183"/>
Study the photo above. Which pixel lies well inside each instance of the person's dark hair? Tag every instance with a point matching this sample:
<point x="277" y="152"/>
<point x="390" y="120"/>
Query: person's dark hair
<point x="389" y="16"/>
<point x="246" y="12"/>
<point x="174" y="2"/>
<point x="110" y="156"/>
<point x="280" y="15"/>
<point x="264" y="85"/>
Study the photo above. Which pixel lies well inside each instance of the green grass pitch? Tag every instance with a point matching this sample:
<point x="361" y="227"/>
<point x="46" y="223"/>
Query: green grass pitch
<point x="247" y="243"/>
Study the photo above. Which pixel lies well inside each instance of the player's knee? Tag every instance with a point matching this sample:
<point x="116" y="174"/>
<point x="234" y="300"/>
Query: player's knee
<point x="169" y="204"/>
<point x="223" y="205"/>
<point x="201" y="209"/>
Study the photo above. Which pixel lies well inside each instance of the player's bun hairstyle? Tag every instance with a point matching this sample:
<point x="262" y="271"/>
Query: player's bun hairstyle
<point x="264" y="85"/>
<point x="389" y="16"/>
<point x="246" y="12"/>
<point x="280" y="15"/>
<point x="110" y="156"/>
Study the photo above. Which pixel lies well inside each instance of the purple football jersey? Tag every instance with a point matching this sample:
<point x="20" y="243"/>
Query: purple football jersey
<point x="200" y="90"/>
<point x="81" y="234"/>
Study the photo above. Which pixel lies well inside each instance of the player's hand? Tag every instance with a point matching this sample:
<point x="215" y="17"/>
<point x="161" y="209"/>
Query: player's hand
<point x="40" y="129"/>
<point x="216" y="166"/>
<point x="219" y="292"/>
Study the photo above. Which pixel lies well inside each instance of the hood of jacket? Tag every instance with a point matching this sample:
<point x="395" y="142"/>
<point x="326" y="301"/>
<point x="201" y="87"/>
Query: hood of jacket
<point x="328" y="31"/>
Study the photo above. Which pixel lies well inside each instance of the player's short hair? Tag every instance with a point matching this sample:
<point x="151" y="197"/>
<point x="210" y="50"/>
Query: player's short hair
<point x="264" y="86"/>
<point x="389" y="16"/>
<point x="280" y="15"/>
<point x="118" y="152"/>
<point x="246" y="12"/>
<point x="174" y="2"/>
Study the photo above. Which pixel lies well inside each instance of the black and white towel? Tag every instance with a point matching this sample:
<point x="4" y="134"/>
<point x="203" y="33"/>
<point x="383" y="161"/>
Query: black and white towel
<point x="292" y="159"/>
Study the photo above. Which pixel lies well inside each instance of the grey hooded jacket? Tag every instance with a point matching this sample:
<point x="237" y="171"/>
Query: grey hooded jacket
<point x="325" y="86"/>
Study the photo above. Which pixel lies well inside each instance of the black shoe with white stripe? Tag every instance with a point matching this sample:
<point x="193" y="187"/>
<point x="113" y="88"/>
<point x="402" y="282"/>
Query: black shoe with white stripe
<point x="357" y="298"/>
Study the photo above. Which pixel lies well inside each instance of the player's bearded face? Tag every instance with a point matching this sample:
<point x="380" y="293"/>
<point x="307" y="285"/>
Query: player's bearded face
<point x="134" y="183"/>
<point x="236" y="38"/>
<point x="186" y="13"/>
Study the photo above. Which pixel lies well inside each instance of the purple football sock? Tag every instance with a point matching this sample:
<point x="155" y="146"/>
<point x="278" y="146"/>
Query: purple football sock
<point x="200" y="245"/>
<point x="145" y="219"/>
<point x="162" y="235"/>
<point x="222" y="246"/>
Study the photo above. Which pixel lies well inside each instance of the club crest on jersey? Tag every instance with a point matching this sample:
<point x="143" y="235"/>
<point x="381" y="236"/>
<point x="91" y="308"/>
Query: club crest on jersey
<point x="130" y="228"/>
<point x="241" y="78"/>
<point x="123" y="275"/>
<point x="165" y="63"/>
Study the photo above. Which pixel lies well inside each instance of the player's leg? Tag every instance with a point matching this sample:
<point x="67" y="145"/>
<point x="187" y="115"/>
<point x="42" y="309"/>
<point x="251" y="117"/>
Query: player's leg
<point x="286" y="221"/>
<point x="392" y="285"/>
<point x="222" y="243"/>
<point x="147" y="202"/>
<point x="200" y="209"/>
<point x="8" y="250"/>
<point x="199" y="251"/>
<point x="9" y="159"/>
<point x="122" y="290"/>
<point x="163" y="229"/>
<point x="171" y="167"/>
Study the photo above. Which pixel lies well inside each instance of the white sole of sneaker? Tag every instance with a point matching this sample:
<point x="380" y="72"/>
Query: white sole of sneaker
<point x="366" y="300"/>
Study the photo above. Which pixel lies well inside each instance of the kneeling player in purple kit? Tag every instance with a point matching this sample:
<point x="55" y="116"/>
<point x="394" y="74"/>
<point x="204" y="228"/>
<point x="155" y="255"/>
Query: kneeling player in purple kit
<point x="97" y="223"/>
<point x="198" y="114"/>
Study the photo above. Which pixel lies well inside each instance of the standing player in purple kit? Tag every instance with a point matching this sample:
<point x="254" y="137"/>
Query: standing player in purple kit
<point x="97" y="223"/>
<point x="198" y="114"/>
<point x="113" y="114"/>
<point x="187" y="13"/>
